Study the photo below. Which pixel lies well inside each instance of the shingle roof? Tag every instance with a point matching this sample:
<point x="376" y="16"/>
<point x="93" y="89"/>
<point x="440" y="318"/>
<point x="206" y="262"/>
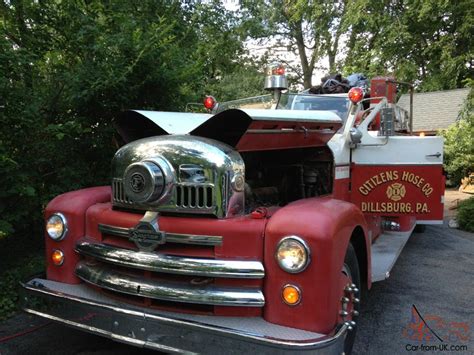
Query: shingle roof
<point x="434" y="110"/>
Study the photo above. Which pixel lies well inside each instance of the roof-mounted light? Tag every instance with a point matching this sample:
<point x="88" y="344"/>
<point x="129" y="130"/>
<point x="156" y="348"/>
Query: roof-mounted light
<point x="275" y="77"/>
<point x="209" y="102"/>
<point x="356" y="95"/>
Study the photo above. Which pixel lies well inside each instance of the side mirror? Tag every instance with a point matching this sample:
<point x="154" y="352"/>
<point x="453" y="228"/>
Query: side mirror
<point x="356" y="136"/>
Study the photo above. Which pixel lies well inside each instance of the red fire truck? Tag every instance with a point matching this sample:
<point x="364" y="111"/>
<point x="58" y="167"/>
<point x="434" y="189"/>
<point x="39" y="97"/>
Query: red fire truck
<point x="254" y="227"/>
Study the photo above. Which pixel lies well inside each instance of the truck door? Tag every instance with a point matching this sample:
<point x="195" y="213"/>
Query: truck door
<point x="399" y="176"/>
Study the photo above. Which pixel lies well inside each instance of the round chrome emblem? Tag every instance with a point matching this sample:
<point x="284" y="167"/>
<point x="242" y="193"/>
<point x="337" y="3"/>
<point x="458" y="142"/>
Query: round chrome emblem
<point x="137" y="182"/>
<point x="144" y="182"/>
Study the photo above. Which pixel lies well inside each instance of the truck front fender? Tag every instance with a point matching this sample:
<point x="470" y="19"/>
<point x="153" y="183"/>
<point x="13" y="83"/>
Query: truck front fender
<point x="326" y="225"/>
<point x="73" y="205"/>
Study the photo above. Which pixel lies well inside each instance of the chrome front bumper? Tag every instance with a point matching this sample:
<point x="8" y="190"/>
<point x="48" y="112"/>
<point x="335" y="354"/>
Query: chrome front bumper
<point x="81" y="307"/>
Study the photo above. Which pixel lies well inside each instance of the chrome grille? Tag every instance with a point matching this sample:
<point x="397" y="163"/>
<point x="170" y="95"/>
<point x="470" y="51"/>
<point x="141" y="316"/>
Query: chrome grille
<point x="186" y="197"/>
<point x="199" y="196"/>
<point x="118" y="192"/>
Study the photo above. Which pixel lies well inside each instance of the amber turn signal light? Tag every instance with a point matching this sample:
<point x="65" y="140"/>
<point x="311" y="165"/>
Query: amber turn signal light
<point x="291" y="295"/>
<point x="57" y="257"/>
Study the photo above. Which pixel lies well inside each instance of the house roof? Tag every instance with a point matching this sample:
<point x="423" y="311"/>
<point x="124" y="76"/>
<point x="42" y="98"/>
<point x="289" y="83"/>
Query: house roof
<point x="434" y="110"/>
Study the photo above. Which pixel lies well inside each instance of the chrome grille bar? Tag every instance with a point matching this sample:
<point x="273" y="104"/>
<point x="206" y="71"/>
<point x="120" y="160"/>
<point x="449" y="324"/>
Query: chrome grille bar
<point x="171" y="264"/>
<point x="210" y="240"/>
<point x="169" y="291"/>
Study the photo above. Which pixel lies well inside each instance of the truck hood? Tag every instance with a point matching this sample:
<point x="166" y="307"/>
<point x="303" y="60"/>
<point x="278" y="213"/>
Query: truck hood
<point x="245" y="130"/>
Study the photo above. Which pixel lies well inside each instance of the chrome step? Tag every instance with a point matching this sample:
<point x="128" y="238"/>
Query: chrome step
<point x="385" y="252"/>
<point x="110" y="279"/>
<point x="244" y="269"/>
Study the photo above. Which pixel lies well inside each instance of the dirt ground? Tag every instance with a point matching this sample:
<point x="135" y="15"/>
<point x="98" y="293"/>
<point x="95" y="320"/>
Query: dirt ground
<point x="452" y="197"/>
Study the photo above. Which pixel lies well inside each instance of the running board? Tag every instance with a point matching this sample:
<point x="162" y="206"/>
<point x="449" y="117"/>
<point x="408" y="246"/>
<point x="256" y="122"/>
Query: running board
<point x="385" y="252"/>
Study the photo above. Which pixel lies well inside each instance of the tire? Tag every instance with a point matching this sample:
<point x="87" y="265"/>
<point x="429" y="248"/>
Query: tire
<point x="352" y="266"/>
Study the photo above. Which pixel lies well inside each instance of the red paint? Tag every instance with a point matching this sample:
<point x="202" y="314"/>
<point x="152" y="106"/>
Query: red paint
<point x="73" y="205"/>
<point x="382" y="86"/>
<point x="399" y="190"/>
<point x="243" y="240"/>
<point x="283" y="135"/>
<point x="341" y="189"/>
<point x="326" y="224"/>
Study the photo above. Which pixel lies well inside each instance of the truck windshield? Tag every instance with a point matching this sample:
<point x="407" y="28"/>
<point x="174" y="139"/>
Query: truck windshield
<point x="334" y="103"/>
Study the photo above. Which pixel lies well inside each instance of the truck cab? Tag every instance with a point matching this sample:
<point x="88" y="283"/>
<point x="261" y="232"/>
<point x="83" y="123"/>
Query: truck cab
<point x="253" y="227"/>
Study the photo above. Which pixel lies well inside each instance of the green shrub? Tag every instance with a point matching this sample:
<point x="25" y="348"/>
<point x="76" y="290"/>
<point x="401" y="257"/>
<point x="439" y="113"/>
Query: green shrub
<point x="466" y="215"/>
<point x="9" y="283"/>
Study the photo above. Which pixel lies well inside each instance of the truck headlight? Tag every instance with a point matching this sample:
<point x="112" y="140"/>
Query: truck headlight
<point x="56" y="226"/>
<point x="292" y="254"/>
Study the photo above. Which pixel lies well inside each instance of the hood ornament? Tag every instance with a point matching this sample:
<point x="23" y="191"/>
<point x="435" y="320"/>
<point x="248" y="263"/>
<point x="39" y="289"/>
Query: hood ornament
<point x="146" y="234"/>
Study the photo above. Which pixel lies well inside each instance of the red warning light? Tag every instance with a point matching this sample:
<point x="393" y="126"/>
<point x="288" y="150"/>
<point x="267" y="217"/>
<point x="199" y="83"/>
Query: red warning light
<point x="209" y="102"/>
<point x="279" y="70"/>
<point x="356" y="94"/>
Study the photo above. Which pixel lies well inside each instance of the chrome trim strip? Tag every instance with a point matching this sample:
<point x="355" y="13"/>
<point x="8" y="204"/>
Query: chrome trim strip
<point x="210" y="240"/>
<point x="64" y="306"/>
<point x="169" y="291"/>
<point x="171" y="264"/>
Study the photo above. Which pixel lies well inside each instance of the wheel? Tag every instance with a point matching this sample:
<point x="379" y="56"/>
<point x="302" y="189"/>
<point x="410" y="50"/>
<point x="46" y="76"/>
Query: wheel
<point x="350" y="296"/>
<point x="420" y="228"/>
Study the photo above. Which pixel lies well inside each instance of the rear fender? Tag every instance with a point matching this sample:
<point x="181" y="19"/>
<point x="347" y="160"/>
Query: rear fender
<point x="326" y="224"/>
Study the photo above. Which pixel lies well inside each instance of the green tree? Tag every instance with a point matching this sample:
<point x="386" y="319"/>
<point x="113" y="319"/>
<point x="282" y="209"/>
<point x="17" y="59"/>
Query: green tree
<point x="309" y="29"/>
<point x="68" y="68"/>
<point x="427" y="42"/>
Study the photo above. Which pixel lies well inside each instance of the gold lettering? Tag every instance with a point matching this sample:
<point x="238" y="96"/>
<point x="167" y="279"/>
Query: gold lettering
<point x="370" y="185"/>
<point x="363" y="191"/>
<point x="395" y="174"/>
<point x="405" y="176"/>
<point x="427" y="189"/>
<point x="373" y="180"/>
<point x="382" y="176"/>
<point x="420" y="182"/>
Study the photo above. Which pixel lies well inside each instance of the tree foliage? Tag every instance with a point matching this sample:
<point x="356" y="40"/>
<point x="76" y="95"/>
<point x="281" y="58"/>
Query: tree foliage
<point x="310" y="30"/>
<point x="465" y="213"/>
<point x="427" y="42"/>
<point x="69" y="67"/>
